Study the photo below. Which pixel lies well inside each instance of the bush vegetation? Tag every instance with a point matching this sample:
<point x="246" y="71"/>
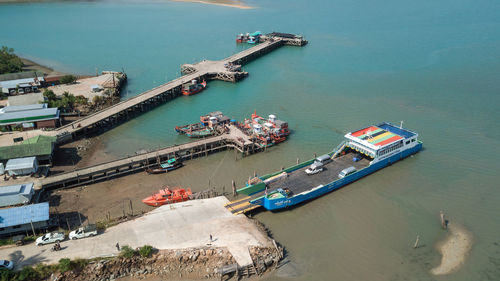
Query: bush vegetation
<point x="127" y="252"/>
<point x="68" y="79"/>
<point x="146" y="251"/>
<point x="9" y="62"/>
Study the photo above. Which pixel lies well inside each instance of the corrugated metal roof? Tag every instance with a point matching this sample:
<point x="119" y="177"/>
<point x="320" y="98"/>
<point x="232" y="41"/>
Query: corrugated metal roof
<point x="24" y="214"/>
<point x="15" y="194"/>
<point x="40" y="139"/>
<point x="13" y="83"/>
<point x="20" y="163"/>
<point x="34" y="115"/>
<point x="37" y="146"/>
<point x="16" y="108"/>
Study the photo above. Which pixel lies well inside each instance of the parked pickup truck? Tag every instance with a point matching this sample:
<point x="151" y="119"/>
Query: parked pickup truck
<point x="48" y="238"/>
<point x="82" y="232"/>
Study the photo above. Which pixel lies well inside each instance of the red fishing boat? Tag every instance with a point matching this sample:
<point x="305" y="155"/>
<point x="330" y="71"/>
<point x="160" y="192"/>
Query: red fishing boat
<point x="167" y="196"/>
<point x="194" y="88"/>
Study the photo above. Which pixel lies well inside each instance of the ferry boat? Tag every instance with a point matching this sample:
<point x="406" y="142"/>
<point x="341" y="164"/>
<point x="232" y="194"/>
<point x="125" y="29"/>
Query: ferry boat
<point x="170" y="165"/>
<point x="167" y="196"/>
<point x="361" y="153"/>
<point x="194" y="88"/>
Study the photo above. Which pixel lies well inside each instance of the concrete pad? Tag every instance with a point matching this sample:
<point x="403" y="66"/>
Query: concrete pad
<point x="177" y="226"/>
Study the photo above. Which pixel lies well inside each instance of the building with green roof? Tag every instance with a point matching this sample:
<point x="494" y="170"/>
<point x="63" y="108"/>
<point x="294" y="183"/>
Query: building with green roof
<point x="42" y="147"/>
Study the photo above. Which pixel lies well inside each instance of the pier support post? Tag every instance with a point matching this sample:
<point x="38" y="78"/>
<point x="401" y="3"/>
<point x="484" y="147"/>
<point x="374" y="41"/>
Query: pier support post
<point x="235" y="193"/>
<point x="298" y="160"/>
<point x="416" y="242"/>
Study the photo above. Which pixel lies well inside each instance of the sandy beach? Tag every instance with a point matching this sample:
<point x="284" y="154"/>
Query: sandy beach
<point x="454" y="250"/>
<point x="226" y="3"/>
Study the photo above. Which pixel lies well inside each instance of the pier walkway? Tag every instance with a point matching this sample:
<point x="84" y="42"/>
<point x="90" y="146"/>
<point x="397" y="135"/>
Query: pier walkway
<point x="235" y="139"/>
<point x="228" y="69"/>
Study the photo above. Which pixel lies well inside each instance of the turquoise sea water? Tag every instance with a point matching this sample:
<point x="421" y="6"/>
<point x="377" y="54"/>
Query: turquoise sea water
<point x="433" y="64"/>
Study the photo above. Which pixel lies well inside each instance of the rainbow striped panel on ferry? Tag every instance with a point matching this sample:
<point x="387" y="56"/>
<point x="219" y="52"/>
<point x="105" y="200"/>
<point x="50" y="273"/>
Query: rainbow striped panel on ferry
<point x="364" y="131"/>
<point x="389" y="140"/>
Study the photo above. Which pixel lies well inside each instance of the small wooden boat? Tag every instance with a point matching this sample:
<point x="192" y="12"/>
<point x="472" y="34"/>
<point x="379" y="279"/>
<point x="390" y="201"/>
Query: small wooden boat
<point x="194" y="88"/>
<point x="167" y="196"/>
<point x="201" y="133"/>
<point x="196" y="130"/>
<point x="170" y="165"/>
<point x="189" y="127"/>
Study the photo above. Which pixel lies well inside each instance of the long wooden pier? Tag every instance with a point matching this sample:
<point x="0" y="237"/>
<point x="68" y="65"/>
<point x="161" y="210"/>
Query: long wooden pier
<point x="234" y="139"/>
<point x="228" y="69"/>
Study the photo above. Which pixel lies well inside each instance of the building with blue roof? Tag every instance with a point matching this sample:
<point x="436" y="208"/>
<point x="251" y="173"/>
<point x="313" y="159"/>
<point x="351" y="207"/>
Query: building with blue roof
<point x="16" y="194"/>
<point x="24" y="219"/>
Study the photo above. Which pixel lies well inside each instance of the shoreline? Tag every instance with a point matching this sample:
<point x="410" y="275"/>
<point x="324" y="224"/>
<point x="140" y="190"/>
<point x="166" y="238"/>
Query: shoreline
<point x="224" y="3"/>
<point x="30" y="65"/>
<point x="454" y="250"/>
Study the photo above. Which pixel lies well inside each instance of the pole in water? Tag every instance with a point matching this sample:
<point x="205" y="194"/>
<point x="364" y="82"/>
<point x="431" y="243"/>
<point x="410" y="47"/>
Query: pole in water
<point x="444" y="223"/>
<point x="314" y="154"/>
<point x="416" y="242"/>
<point x="298" y="160"/>
<point x="254" y="173"/>
<point x="234" y="188"/>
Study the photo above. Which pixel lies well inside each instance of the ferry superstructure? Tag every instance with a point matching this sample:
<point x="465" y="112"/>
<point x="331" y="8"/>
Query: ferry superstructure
<point x="362" y="152"/>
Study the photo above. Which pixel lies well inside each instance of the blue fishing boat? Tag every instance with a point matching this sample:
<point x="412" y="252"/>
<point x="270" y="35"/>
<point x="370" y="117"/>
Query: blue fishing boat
<point x="361" y="153"/>
<point x="168" y="166"/>
<point x="254" y="38"/>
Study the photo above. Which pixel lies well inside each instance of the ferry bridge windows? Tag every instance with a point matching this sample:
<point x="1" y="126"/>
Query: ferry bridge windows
<point x="391" y="148"/>
<point x="412" y="140"/>
<point x="407" y="142"/>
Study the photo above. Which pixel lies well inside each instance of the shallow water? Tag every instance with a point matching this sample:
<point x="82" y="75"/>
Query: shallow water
<point x="432" y="64"/>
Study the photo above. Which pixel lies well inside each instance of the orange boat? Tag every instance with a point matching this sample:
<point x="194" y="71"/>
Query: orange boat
<point x="194" y="88"/>
<point x="167" y="196"/>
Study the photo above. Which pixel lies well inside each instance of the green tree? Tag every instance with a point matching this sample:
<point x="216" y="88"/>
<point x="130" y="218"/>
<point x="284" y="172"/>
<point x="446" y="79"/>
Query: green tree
<point x="49" y="94"/>
<point x="67" y="79"/>
<point x="68" y="100"/>
<point x="9" y="62"/>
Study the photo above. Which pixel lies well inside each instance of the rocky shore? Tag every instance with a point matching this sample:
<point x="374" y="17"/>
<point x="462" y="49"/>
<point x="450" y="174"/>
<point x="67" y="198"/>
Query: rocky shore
<point x="203" y="263"/>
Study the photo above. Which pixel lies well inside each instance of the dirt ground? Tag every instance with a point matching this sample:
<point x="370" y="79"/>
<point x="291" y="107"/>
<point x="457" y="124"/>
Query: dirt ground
<point x="112" y="198"/>
<point x="83" y="87"/>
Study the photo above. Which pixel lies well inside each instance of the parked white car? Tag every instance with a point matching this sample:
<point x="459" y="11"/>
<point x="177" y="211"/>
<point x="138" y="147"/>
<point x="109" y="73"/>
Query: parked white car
<point x="82" y="232"/>
<point x="315" y="168"/>
<point x="6" y="264"/>
<point x="48" y="238"/>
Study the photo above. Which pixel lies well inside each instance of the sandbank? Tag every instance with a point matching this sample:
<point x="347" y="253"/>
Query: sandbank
<point x="226" y="3"/>
<point x="454" y="250"/>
